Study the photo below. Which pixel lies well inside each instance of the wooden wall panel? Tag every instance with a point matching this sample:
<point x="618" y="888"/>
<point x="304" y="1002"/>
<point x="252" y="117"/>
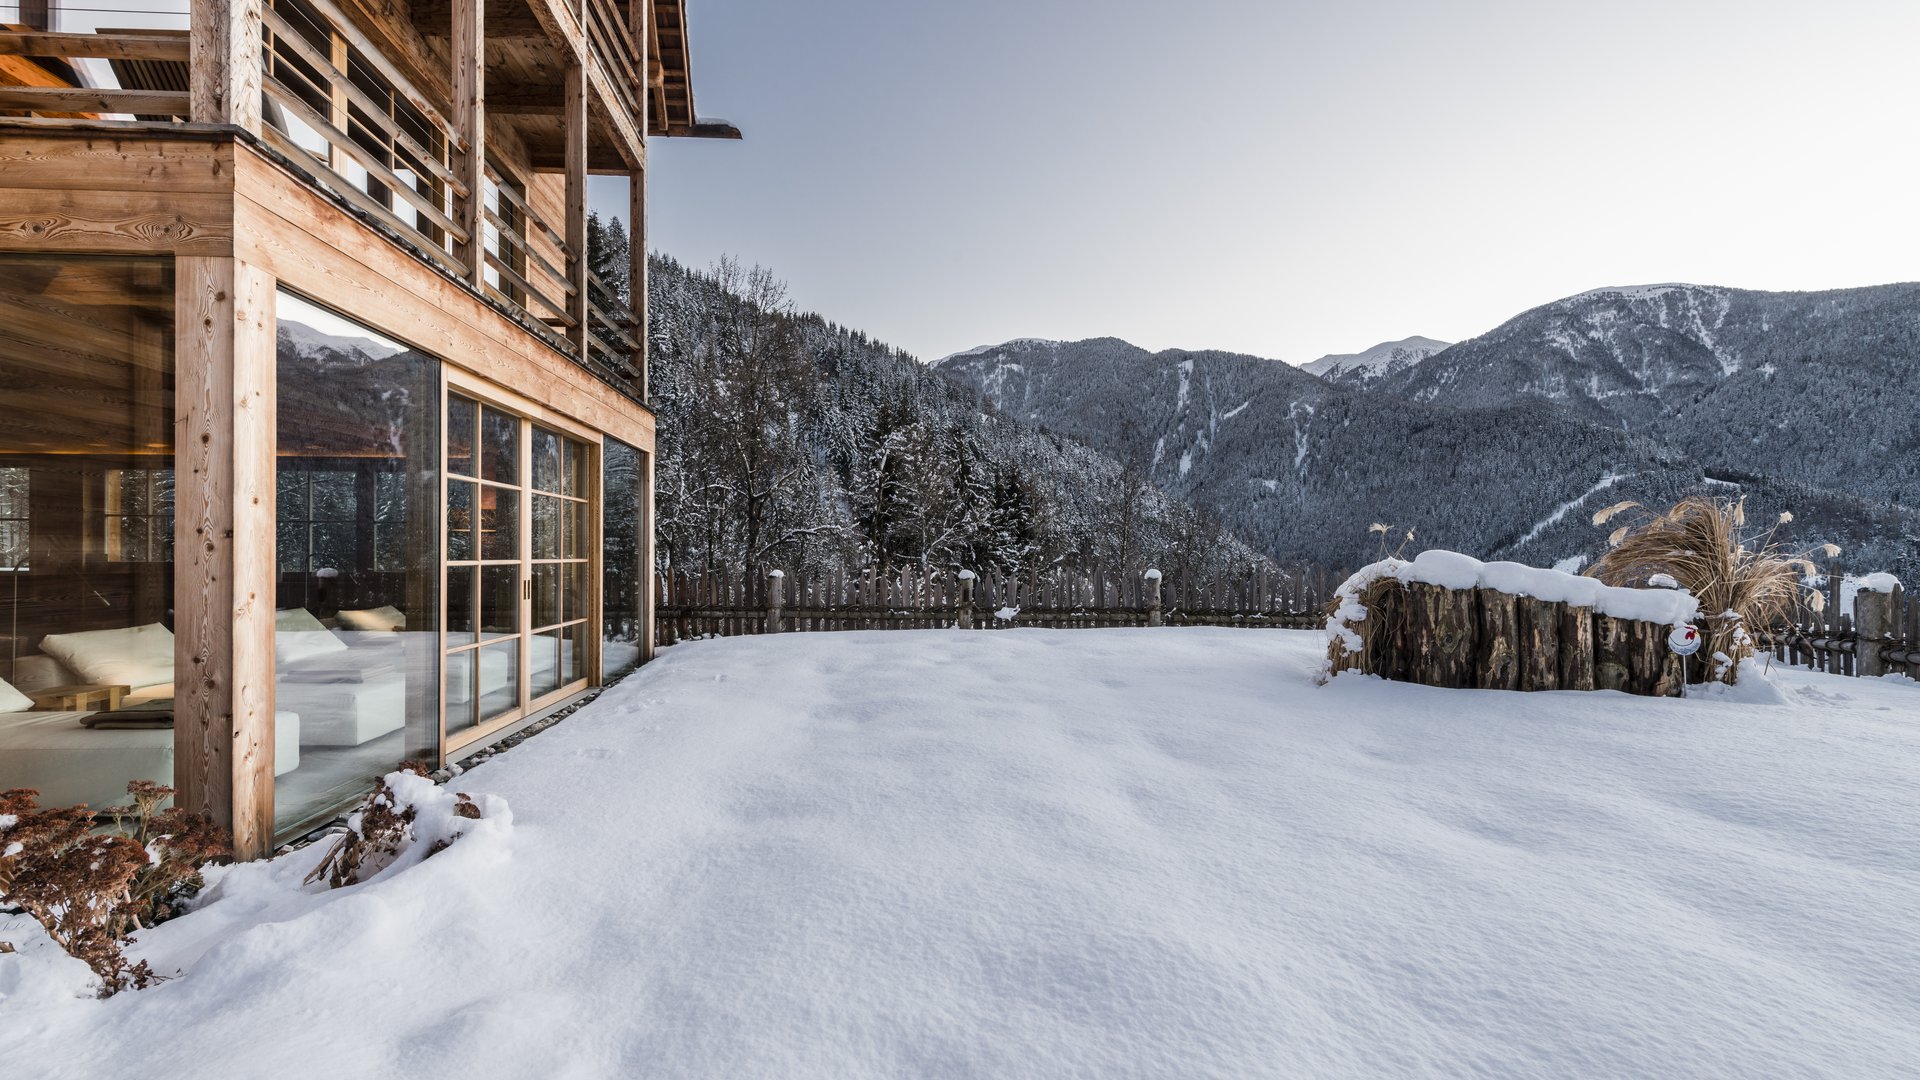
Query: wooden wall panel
<point x="121" y="218"/>
<point x="223" y="543"/>
<point x="103" y="161"/>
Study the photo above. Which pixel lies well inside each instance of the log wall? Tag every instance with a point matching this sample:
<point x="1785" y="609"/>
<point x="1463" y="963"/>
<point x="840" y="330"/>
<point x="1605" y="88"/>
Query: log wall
<point x="1489" y="640"/>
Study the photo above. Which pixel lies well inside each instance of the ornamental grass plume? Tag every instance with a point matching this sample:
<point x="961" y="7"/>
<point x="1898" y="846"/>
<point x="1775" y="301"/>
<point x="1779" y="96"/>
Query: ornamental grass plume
<point x="1744" y="583"/>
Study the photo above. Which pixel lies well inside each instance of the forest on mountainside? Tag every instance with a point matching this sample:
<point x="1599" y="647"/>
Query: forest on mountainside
<point x="788" y="441"/>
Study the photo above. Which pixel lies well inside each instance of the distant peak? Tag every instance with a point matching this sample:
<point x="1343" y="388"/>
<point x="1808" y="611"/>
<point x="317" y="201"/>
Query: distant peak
<point x="982" y="350"/>
<point x="1639" y="292"/>
<point x="1377" y="361"/>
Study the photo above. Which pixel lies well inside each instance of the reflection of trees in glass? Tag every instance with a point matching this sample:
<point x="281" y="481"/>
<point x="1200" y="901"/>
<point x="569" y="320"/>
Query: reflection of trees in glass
<point x="139" y="512"/>
<point x="13" y="519"/>
<point x="621" y="521"/>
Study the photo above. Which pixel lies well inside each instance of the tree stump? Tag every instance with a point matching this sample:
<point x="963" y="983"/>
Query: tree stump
<point x="1654" y="671"/>
<point x="1576" y="648"/>
<point x="1389" y="653"/>
<point x="1612" y="659"/>
<point x="1441" y="628"/>
<point x="1495" y="667"/>
<point x="1539" y="644"/>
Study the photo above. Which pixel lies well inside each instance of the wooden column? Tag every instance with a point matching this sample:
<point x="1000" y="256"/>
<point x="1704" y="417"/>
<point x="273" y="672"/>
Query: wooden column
<point x="1875" y="618"/>
<point x="649" y="581"/>
<point x="224" y="544"/>
<point x="470" y="122"/>
<point x="225" y="67"/>
<point x="576" y="137"/>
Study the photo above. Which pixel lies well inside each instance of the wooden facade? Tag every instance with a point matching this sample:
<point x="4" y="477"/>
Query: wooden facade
<point x="350" y="152"/>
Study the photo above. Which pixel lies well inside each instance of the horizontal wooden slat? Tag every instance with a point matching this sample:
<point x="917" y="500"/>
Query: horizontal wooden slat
<point x="83" y="99"/>
<point x="366" y="203"/>
<point x="102" y="46"/>
<point x="367" y="161"/>
<point x="555" y="312"/>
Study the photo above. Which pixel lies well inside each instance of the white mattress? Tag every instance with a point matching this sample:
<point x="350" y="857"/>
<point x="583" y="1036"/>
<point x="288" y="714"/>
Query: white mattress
<point x="70" y="763"/>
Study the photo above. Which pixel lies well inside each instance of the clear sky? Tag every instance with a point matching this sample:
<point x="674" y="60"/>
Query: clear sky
<point x="1289" y="179"/>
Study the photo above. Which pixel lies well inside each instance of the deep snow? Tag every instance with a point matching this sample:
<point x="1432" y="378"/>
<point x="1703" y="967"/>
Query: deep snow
<point x="1083" y="853"/>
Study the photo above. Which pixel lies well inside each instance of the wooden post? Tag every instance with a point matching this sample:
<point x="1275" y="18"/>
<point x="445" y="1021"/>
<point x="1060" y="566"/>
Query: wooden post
<point x="1153" y="598"/>
<point x="1576" y="648"/>
<point x="470" y="122"/>
<point x="1495" y="667"/>
<point x="965" y="620"/>
<point x="637" y="272"/>
<point x="224" y="397"/>
<point x="224" y="67"/>
<point x="1874" y="621"/>
<point x="576" y="144"/>
<point x="1539" y="652"/>
<point x="776" y="600"/>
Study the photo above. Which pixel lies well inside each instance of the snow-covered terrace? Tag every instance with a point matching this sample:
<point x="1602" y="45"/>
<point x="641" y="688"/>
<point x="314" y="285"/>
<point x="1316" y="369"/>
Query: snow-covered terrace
<point x="1082" y="853"/>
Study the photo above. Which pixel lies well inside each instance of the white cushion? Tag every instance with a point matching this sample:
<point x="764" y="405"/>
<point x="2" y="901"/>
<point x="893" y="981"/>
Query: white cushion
<point x="136" y="657"/>
<point x="387" y="618"/>
<point x="298" y="636"/>
<point x="12" y="700"/>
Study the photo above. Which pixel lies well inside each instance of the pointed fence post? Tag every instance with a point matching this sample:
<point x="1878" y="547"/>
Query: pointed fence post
<point x="1873" y="622"/>
<point x="965" y="620"/>
<point x="776" y="600"/>
<point x="1153" y="598"/>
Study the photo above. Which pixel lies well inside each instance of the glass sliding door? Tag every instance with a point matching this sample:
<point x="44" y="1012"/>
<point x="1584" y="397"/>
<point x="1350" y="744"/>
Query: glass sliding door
<point x="356" y="639"/>
<point x="86" y="526"/>
<point x="519" y="567"/>
<point x="623" y="511"/>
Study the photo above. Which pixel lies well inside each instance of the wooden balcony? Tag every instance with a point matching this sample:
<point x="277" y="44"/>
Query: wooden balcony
<point x="385" y="106"/>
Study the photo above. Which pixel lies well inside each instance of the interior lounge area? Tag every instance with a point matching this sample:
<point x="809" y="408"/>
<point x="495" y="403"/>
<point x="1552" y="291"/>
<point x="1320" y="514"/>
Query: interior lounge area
<point x="449" y="559"/>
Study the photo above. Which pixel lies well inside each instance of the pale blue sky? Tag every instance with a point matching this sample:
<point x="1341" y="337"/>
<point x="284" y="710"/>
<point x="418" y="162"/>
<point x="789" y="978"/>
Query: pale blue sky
<point x="1289" y="178"/>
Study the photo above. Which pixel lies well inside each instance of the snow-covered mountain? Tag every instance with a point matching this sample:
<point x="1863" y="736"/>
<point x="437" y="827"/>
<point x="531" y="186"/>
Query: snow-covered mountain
<point x="1503" y="444"/>
<point x="1383" y="360"/>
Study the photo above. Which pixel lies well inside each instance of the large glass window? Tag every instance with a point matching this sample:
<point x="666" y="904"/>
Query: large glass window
<point x="623" y="544"/>
<point x="86" y="526"/>
<point x="356" y="642"/>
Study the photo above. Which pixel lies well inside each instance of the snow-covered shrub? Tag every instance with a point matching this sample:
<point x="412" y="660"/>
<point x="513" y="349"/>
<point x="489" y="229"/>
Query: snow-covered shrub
<point x="1699" y="544"/>
<point x="89" y="889"/>
<point x="405" y="819"/>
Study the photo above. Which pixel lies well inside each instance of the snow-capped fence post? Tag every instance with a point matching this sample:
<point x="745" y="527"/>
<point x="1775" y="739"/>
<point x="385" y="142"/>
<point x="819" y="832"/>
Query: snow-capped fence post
<point x="776" y="600"/>
<point x="1874" y="622"/>
<point x="964" y="620"/>
<point x="1153" y="598"/>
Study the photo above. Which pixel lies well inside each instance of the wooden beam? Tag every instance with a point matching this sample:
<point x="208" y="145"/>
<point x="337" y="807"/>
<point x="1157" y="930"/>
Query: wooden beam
<point x="135" y="46"/>
<point x="576" y="227"/>
<point x="85" y="100"/>
<point x="223" y="542"/>
<point x="225" y="71"/>
<point x="470" y="121"/>
<point x="637" y="272"/>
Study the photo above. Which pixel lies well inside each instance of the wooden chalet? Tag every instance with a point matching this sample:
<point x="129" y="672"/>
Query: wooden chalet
<point x="322" y="446"/>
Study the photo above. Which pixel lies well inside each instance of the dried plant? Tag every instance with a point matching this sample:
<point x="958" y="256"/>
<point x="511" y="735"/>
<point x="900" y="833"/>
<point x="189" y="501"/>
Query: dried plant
<point x="90" y="889"/>
<point x="378" y="832"/>
<point x="1385" y="533"/>
<point x="1741" y="581"/>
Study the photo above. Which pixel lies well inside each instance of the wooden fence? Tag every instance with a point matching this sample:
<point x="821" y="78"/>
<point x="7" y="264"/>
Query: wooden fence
<point x="1880" y="636"/>
<point x="726" y="603"/>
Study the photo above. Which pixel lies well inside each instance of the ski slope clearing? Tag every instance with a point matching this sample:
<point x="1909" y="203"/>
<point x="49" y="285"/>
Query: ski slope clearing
<point x="1095" y="853"/>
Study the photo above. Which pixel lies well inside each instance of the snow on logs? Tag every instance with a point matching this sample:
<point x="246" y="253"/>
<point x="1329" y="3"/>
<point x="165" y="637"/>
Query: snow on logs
<point x="1445" y="619"/>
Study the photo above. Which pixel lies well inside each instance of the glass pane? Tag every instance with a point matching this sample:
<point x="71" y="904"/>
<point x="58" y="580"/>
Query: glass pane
<point x="460" y="704"/>
<point x="621" y="583"/>
<point x="357" y="655"/>
<point x="499" y="447"/>
<point x="574" y="541"/>
<point x="573" y="655"/>
<point x="499" y="600"/>
<point x="546" y="594"/>
<point x="547" y="514"/>
<point x="461" y="624"/>
<point x="546" y="460"/>
<point x="499" y="678"/>
<point x="574" y="471"/>
<point x="460" y="496"/>
<point x="543" y="663"/>
<point x="499" y="523"/>
<point x="462" y="415"/>
<point x="87" y="427"/>
<point x="573" y="602"/>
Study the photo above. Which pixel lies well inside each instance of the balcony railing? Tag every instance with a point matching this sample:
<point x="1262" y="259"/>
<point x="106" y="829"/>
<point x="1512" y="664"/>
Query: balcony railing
<point x="367" y="133"/>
